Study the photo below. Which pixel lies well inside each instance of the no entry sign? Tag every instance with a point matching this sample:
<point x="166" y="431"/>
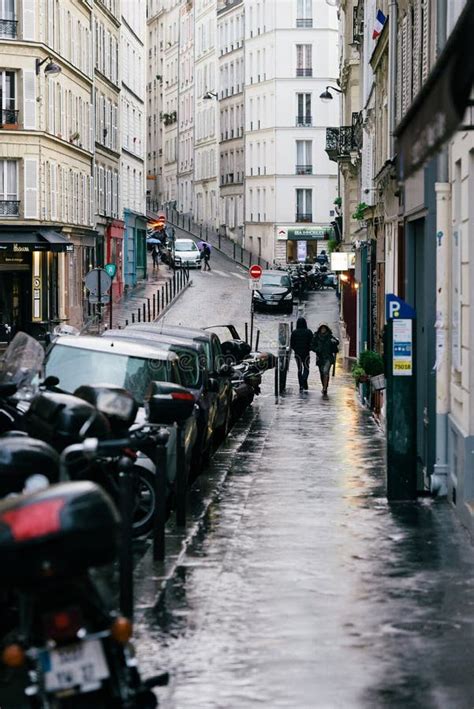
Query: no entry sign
<point x="255" y="271"/>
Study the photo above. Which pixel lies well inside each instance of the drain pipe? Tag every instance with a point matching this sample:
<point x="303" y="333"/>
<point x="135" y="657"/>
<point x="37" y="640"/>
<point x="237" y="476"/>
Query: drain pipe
<point x="392" y="72"/>
<point x="439" y="478"/>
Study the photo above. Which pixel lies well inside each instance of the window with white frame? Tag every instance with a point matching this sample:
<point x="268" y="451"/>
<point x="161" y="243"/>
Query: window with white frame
<point x="303" y="109"/>
<point x="304" y="157"/>
<point x="9" y="113"/>
<point x="304" y="60"/>
<point x="9" y="204"/>
<point x="304" y="205"/>
<point x="8" y="24"/>
<point x="304" y="13"/>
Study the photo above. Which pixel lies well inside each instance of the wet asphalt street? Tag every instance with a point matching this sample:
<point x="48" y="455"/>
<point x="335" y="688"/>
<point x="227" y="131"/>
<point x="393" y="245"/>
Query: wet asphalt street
<point x="305" y="589"/>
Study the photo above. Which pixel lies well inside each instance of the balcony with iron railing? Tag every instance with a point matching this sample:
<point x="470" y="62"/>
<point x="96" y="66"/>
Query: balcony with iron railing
<point x="304" y="169"/>
<point x="9" y="208"/>
<point x="304" y="72"/>
<point x="304" y="217"/>
<point x="8" y="29"/>
<point x="304" y="22"/>
<point x="8" y="116"/>
<point x="304" y="121"/>
<point x="343" y="142"/>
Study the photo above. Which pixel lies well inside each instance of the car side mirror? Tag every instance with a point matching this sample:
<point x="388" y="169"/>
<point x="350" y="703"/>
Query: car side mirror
<point x="213" y="385"/>
<point x="169" y="403"/>
<point x="225" y="370"/>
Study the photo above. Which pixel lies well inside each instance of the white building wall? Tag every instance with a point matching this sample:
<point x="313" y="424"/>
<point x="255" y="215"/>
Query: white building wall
<point x="274" y="78"/>
<point x="132" y="101"/>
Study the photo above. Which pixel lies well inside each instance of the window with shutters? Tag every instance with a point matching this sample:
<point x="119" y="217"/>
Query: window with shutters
<point x="9" y="202"/>
<point x="425" y="40"/>
<point x="8" y="106"/>
<point x="304" y="66"/>
<point x="30" y="196"/>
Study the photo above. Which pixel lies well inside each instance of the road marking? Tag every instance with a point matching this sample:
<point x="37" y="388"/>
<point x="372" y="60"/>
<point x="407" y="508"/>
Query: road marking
<point x="221" y="273"/>
<point x="237" y="275"/>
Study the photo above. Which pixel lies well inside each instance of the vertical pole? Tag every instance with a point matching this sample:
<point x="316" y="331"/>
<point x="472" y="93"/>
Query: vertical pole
<point x="139" y="314"/>
<point x="126" y="550"/>
<point x="126" y="323"/>
<point x="161" y="461"/>
<point x="251" y="320"/>
<point x="111" y="304"/>
<point x="154" y="306"/>
<point x="246" y="332"/>
<point x="181" y="474"/>
<point x="233" y="250"/>
<point x="162" y="297"/>
<point x="257" y="340"/>
<point x="133" y="318"/>
<point x="148" y="309"/>
<point x="144" y="312"/>
<point x="241" y="254"/>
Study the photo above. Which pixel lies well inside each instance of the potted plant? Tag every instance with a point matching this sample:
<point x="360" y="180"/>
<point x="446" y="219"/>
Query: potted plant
<point x="332" y="245"/>
<point x="359" y="374"/>
<point x="373" y="365"/>
<point x="360" y="211"/>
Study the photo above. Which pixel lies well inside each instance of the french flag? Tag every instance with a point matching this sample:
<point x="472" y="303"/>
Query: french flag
<point x="380" y="20"/>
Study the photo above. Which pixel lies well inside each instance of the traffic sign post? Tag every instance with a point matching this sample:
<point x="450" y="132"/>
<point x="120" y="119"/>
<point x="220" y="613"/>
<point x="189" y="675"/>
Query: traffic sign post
<point x="111" y="270"/>
<point x="98" y="282"/>
<point x="255" y="273"/>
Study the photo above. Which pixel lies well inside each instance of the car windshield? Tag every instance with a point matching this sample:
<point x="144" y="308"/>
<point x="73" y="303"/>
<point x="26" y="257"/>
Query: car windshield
<point x="189" y="368"/>
<point x="276" y="279"/>
<point x="75" y="366"/>
<point x="185" y="246"/>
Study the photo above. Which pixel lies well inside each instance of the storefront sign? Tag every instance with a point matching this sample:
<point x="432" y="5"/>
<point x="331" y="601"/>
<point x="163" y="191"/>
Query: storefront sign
<point x="296" y="234"/>
<point x="402" y="356"/>
<point x="7" y="258"/>
<point x="342" y="261"/>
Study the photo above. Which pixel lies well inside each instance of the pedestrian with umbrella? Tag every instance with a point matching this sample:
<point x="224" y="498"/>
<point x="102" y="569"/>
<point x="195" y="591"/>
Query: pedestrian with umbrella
<point x="326" y="347"/>
<point x="205" y="249"/>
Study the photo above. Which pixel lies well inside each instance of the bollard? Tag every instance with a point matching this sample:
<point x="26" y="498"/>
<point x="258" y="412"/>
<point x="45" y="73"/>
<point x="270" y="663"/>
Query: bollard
<point x="161" y="462"/>
<point x="133" y="318"/>
<point x="126" y="548"/>
<point x="148" y="309"/>
<point x="167" y="292"/>
<point x="154" y="306"/>
<point x="241" y="254"/>
<point x="174" y="284"/>
<point x="257" y="340"/>
<point x="246" y="332"/>
<point x="126" y="323"/>
<point x="181" y="478"/>
<point x="219" y="239"/>
<point x="144" y="312"/>
<point x="162" y="297"/>
<point x="233" y="250"/>
<point x="139" y="314"/>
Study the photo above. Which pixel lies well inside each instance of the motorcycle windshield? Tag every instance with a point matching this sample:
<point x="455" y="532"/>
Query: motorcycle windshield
<point x="22" y="361"/>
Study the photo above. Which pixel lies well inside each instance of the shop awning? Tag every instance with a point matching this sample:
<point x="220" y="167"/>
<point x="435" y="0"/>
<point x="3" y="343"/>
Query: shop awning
<point x="439" y="108"/>
<point x="24" y="240"/>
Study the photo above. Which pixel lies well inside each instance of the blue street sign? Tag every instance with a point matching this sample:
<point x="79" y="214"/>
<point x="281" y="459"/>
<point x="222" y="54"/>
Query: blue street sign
<point x="396" y="308"/>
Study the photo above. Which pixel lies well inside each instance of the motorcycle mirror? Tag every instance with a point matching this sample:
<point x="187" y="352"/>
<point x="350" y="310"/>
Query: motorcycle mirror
<point x="50" y="381"/>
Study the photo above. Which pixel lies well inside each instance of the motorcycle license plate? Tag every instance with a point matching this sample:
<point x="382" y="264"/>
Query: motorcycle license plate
<point x="77" y="665"/>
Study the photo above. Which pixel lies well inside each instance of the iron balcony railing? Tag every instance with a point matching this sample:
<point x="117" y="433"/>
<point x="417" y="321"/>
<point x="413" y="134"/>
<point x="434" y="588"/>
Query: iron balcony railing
<point x="342" y="141"/>
<point x="304" y="217"/>
<point x="304" y="121"/>
<point x="304" y="21"/>
<point x="304" y="169"/>
<point x="304" y="72"/>
<point x="8" y="29"/>
<point x="9" y="208"/>
<point x="8" y="116"/>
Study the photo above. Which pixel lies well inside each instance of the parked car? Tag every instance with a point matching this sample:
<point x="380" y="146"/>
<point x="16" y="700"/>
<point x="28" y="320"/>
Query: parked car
<point x="195" y="376"/>
<point x="215" y="364"/>
<point x="275" y="292"/>
<point x="85" y="360"/>
<point x="186" y="253"/>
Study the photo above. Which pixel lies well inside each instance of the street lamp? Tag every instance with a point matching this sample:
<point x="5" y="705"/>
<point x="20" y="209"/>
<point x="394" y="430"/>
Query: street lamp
<point x="326" y="96"/>
<point x="51" y="69"/>
<point x="209" y="94"/>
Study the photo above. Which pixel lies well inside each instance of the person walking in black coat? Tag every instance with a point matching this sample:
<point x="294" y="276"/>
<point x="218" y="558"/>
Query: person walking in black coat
<point x="326" y="347"/>
<point x="300" y="343"/>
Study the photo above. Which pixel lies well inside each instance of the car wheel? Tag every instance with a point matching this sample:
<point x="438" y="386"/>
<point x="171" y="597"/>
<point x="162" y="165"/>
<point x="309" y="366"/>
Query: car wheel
<point x="144" y="500"/>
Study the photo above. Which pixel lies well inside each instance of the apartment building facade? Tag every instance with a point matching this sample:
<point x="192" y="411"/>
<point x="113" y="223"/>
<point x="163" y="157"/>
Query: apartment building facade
<point x="206" y="114"/>
<point x="169" y="115"/>
<point x="185" y="125"/>
<point x="231" y="31"/>
<point x="133" y="140"/>
<point x="290" y="183"/>
<point x="109" y="222"/>
<point x="46" y="153"/>
<point x="154" y="100"/>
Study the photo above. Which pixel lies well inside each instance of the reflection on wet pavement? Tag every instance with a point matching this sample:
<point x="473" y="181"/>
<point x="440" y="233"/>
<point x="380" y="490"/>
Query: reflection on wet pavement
<point x="305" y="588"/>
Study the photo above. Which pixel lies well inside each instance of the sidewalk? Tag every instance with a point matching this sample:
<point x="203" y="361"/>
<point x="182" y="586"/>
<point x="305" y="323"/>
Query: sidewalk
<point x="130" y="306"/>
<point x="307" y="589"/>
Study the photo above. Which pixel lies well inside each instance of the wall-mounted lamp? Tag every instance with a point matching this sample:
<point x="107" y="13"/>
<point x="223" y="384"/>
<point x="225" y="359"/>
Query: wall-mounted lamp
<point x="326" y="96"/>
<point x="209" y="94"/>
<point x="50" y="69"/>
